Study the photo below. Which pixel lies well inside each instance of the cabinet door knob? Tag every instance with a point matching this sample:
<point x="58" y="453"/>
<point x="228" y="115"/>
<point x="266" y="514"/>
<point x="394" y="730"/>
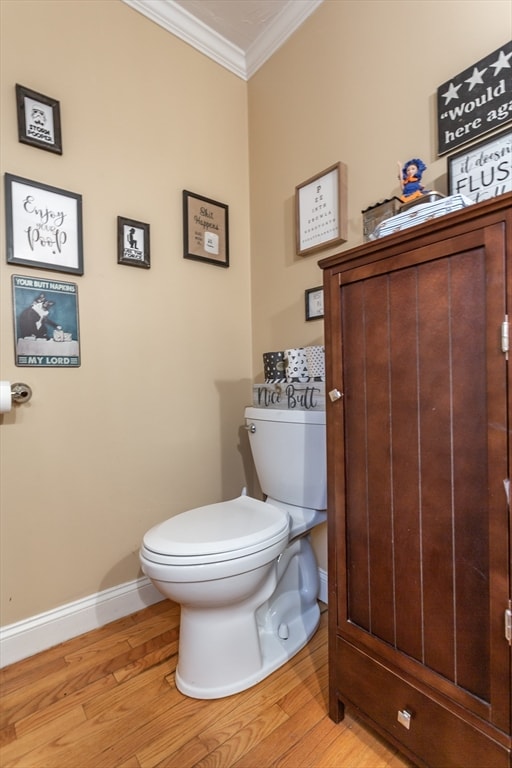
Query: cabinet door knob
<point x="335" y="394"/>
<point x="404" y="718"/>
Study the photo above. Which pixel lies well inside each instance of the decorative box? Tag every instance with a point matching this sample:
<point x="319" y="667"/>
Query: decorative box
<point x="377" y="213"/>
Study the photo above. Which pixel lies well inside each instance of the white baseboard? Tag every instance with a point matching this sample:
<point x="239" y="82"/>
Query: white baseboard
<point x="25" y="638"/>
<point x="30" y="636"/>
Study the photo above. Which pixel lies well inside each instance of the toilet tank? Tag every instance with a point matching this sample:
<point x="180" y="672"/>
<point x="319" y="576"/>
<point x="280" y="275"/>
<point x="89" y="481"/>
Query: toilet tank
<point x="289" y="452"/>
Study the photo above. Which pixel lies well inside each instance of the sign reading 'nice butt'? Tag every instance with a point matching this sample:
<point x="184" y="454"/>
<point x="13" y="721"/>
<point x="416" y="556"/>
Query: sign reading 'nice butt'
<point x="475" y="102"/>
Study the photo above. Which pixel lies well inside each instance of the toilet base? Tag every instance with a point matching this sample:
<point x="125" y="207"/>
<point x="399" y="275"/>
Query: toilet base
<point x="229" y="649"/>
<point x="275" y="651"/>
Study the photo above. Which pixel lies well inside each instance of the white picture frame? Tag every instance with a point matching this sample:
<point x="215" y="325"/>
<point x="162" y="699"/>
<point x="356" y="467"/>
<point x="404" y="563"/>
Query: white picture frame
<point x="484" y="170"/>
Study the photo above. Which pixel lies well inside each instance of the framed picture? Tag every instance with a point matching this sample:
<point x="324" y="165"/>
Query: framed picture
<point x="133" y="243"/>
<point x="38" y="120"/>
<point x="46" y="326"/>
<point x="314" y="303"/>
<point x="483" y="170"/>
<point x="43" y="226"/>
<point x="474" y="102"/>
<point x="205" y="229"/>
<point x="321" y="210"/>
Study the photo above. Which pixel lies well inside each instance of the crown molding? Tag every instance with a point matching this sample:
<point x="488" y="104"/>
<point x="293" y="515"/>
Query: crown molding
<point x="284" y="25"/>
<point x="181" y="23"/>
<point x="175" y="19"/>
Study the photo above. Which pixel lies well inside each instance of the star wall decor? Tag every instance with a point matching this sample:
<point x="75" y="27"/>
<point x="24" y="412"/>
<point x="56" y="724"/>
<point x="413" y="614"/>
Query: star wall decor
<point x="476" y="101"/>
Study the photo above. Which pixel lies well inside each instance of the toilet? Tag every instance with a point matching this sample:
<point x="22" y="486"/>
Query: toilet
<point x="243" y="571"/>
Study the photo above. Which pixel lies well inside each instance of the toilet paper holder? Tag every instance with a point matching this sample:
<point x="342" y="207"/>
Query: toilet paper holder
<point x="20" y="393"/>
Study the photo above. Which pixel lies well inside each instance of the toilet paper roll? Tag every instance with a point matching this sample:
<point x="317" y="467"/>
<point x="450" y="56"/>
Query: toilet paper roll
<point x="274" y="365"/>
<point x="296" y="365"/>
<point x="315" y="356"/>
<point x="5" y="397"/>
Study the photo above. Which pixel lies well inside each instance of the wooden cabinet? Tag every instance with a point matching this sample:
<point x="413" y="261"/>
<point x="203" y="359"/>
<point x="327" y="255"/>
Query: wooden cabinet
<point x="418" y="429"/>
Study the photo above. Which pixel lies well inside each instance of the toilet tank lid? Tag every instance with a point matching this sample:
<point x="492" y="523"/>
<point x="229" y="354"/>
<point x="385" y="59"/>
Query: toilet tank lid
<point x="241" y="524"/>
<point x="298" y="417"/>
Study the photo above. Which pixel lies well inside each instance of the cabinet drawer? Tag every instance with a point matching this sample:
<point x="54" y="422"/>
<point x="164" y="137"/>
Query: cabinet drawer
<point x="437" y="736"/>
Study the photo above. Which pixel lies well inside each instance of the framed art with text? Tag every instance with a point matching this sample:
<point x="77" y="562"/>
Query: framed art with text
<point x="321" y="210"/>
<point x="133" y="243"/>
<point x="483" y="170"/>
<point x="38" y="120"/>
<point x="46" y="326"/>
<point x="314" y="303"/>
<point x="205" y="229"/>
<point x="43" y="226"/>
<point x="475" y="102"/>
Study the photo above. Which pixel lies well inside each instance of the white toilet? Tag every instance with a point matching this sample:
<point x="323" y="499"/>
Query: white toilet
<point x="243" y="570"/>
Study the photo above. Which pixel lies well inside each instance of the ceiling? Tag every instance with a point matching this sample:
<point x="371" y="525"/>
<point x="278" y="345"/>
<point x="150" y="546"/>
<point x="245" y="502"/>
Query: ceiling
<point x="238" y="34"/>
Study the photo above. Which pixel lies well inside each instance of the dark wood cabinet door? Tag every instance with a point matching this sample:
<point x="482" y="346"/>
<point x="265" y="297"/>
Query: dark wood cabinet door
<point x="422" y="568"/>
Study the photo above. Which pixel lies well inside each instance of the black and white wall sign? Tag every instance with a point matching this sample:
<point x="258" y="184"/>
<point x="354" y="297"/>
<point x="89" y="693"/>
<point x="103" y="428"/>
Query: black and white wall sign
<point x="483" y="170"/>
<point x="475" y="102"/>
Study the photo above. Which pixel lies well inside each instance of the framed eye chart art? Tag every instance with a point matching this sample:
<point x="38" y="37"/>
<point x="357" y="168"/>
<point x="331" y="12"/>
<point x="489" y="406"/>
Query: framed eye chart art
<point x="321" y="210"/>
<point x="43" y="226"/>
<point x="205" y="229"/>
<point x="38" y="120"/>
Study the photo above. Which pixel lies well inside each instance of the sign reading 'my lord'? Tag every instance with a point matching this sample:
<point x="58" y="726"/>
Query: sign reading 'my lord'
<point x="475" y="102"/>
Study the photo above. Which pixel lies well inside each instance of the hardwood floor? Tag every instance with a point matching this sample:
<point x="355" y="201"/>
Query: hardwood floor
<point x="108" y="699"/>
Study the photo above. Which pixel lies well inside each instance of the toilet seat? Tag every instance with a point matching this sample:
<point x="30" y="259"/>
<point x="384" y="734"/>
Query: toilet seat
<point x="217" y="532"/>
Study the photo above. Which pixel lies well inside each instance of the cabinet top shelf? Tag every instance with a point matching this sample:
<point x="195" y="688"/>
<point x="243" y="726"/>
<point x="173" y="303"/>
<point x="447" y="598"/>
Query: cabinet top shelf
<point x="422" y="233"/>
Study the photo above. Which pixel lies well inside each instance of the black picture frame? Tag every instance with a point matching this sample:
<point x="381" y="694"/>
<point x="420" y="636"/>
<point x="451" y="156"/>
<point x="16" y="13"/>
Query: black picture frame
<point x="474" y="102"/>
<point x="205" y="229"/>
<point x="314" y="300"/>
<point x="38" y="120"/>
<point x="133" y="243"/>
<point x="43" y="226"/>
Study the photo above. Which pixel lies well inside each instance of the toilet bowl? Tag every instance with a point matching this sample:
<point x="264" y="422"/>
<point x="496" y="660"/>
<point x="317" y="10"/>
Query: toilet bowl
<point x="218" y="562"/>
<point x="246" y="578"/>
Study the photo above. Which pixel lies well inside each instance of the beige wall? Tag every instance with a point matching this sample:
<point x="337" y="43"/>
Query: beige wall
<point x="149" y="424"/>
<point x="356" y="83"/>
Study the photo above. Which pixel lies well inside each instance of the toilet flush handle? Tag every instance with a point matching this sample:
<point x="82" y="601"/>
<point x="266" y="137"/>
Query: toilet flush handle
<point x="250" y="428"/>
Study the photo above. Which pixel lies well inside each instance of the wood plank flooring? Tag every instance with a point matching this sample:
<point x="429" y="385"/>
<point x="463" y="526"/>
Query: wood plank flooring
<point x="108" y="699"/>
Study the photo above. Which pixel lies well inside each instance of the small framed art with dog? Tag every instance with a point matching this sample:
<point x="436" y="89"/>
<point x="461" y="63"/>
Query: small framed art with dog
<point x="46" y="325"/>
<point x="133" y="243"/>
